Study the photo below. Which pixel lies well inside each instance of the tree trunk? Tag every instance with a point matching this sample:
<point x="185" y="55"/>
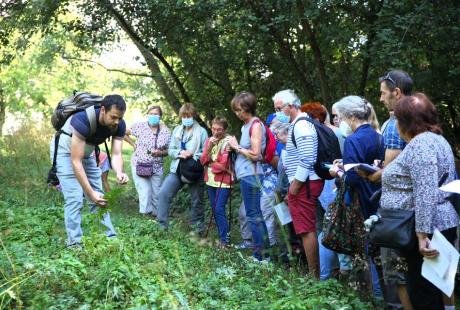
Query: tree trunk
<point x="372" y="19"/>
<point x="222" y="67"/>
<point x="172" y="73"/>
<point x="311" y="36"/>
<point x="284" y="48"/>
<point x="157" y="75"/>
<point x="196" y="79"/>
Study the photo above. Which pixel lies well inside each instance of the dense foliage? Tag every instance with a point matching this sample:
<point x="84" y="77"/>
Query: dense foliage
<point x="143" y="268"/>
<point x="205" y="51"/>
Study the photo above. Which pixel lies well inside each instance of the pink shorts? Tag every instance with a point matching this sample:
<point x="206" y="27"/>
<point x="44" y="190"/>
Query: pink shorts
<point x="303" y="209"/>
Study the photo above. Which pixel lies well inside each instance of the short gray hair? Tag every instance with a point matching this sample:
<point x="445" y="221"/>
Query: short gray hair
<point x="353" y="106"/>
<point x="287" y="96"/>
<point x="279" y="127"/>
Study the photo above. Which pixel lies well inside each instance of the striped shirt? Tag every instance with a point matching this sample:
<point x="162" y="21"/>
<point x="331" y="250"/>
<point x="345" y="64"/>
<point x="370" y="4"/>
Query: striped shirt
<point x="299" y="161"/>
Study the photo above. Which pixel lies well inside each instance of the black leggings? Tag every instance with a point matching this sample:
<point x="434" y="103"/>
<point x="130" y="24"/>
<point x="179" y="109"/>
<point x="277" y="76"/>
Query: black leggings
<point x="424" y="295"/>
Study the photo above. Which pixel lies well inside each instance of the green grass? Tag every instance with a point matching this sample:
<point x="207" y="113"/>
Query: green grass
<point x="144" y="268"/>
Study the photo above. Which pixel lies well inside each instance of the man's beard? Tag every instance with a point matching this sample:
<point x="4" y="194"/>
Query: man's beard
<point x="113" y="130"/>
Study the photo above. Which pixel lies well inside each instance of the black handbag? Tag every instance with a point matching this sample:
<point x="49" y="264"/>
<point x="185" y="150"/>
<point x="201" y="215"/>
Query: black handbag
<point x="394" y="229"/>
<point x="190" y="170"/>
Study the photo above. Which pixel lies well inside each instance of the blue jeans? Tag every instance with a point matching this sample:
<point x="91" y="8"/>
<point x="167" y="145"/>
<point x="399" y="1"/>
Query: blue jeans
<point x="171" y="185"/>
<point x="218" y="208"/>
<point x="330" y="260"/>
<point x="267" y="201"/>
<point x="250" y="190"/>
<point x="73" y="195"/>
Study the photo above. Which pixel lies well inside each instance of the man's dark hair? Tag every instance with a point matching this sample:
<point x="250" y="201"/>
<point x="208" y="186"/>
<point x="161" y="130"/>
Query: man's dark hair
<point x="399" y="79"/>
<point x="114" y="100"/>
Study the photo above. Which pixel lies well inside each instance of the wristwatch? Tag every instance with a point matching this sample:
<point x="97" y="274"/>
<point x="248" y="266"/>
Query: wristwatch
<point x="239" y="149"/>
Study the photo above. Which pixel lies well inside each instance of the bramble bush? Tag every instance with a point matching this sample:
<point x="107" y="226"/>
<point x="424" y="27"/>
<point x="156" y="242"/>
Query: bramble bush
<point x="143" y="268"/>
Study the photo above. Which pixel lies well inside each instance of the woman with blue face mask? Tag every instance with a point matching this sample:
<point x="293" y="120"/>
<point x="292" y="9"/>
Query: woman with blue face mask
<point x="151" y="145"/>
<point x="185" y="149"/>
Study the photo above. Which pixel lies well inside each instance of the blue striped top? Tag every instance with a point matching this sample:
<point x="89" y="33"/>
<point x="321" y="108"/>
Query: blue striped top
<point x="299" y="161"/>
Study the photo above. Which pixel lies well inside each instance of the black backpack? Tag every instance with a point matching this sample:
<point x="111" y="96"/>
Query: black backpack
<point x="79" y="101"/>
<point x="328" y="147"/>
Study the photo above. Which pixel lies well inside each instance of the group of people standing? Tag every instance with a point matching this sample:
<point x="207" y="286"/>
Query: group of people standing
<point x="409" y="150"/>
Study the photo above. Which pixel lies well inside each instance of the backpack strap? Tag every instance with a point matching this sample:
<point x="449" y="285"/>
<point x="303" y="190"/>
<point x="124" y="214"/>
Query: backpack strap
<point x="250" y="128"/>
<point x="108" y="154"/>
<point x="307" y="181"/>
<point x="257" y="120"/>
<point x="57" y="135"/>
<point x="91" y="114"/>
<point x="293" y="127"/>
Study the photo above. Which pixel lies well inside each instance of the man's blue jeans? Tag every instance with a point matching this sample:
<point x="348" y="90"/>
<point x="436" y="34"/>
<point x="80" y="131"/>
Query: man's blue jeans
<point x="218" y="207"/>
<point x="73" y="195"/>
<point x="250" y="190"/>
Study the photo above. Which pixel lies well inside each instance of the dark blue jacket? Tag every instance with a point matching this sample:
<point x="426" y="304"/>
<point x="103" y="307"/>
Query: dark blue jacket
<point x="363" y="146"/>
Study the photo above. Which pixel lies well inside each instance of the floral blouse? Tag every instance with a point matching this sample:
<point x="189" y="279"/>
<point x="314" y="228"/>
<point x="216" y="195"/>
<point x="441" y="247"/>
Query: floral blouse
<point x="410" y="182"/>
<point x="146" y="142"/>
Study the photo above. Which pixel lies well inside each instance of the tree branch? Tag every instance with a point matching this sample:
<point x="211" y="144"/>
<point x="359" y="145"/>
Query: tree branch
<point x="108" y="69"/>
<point x="171" y="72"/>
<point x="311" y="36"/>
<point x="283" y="46"/>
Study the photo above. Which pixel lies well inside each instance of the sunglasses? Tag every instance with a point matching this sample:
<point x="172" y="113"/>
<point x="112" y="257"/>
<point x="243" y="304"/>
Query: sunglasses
<point x="388" y="77"/>
<point x="334" y="115"/>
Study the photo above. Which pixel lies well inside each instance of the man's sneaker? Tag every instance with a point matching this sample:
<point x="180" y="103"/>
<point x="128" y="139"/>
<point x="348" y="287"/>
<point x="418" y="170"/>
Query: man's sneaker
<point x="264" y="261"/>
<point x="74" y="246"/>
<point x="244" y="245"/>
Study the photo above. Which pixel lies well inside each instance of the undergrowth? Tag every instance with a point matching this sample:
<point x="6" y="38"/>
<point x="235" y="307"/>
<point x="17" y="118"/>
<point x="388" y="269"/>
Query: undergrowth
<point x="143" y="268"/>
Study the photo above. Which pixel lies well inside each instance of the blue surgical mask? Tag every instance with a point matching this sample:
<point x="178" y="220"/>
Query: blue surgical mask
<point x="187" y="122"/>
<point x="283" y="118"/>
<point x="154" y="120"/>
<point x="345" y="128"/>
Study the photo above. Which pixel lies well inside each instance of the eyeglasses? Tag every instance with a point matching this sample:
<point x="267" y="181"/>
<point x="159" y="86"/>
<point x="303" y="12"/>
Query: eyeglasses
<point x="388" y="77"/>
<point x="334" y="115"/>
<point x="280" y="108"/>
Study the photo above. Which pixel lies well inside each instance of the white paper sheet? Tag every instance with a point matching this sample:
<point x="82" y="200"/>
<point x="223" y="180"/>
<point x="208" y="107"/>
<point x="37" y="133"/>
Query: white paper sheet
<point x="282" y="211"/>
<point x="452" y="187"/>
<point x="349" y="166"/>
<point x="441" y="271"/>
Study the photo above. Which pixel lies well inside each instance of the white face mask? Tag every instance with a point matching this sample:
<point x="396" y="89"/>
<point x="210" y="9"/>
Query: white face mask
<point x="345" y="128"/>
